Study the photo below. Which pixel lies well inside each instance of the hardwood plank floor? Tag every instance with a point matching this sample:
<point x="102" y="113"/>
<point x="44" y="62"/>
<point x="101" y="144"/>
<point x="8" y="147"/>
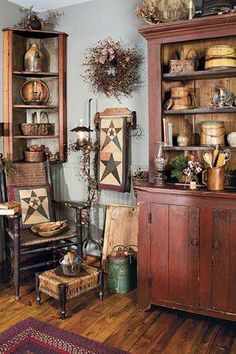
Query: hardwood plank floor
<point x="116" y="321"/>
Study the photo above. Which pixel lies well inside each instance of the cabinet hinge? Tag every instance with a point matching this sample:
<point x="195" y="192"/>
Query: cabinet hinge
<point x="150" y="281"/>
<point x="150" y="218"/>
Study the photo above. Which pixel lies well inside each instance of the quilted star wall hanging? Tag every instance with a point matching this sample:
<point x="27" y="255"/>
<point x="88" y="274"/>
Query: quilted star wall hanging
<point x="35" y="205"/>
<point x="114" y="141"/>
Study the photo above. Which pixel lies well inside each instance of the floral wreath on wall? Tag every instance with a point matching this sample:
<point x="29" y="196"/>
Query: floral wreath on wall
<point x="113" y="68"/>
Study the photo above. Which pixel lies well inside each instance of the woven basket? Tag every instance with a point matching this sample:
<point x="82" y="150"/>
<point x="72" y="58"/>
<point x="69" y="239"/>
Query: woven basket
<point x="34" y="156"/>
<point x="38" y="129"/>
<point x="179" y="92"/>
<point x="181" y="66"/>
<point x="181" y="98"/>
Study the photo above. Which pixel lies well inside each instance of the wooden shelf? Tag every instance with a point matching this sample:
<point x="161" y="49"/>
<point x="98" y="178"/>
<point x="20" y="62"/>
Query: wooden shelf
<point x="35" y="74"/>
<point x="28" y="106"/>
<point x="36" y="137"/>
<point x="200" y="111"/>
<point x="189" y="148"/>
<point x="201" y="75"/>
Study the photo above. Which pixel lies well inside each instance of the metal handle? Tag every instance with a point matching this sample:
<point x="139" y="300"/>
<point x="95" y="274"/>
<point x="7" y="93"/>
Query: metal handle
<point x="204" y="177"/>
<point x="44" y="115"/>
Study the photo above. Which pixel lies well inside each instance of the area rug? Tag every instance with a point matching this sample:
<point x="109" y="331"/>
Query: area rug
<point x="32" y="336"/>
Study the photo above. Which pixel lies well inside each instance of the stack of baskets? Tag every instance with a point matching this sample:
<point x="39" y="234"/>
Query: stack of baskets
<point x="181" y="98"/>
<point x="220" y="56"/>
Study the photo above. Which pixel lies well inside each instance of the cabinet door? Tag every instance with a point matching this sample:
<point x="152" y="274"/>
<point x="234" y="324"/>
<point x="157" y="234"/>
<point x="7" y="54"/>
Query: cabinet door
<point x="175" y="253"/>
<point x="218" y="260"/>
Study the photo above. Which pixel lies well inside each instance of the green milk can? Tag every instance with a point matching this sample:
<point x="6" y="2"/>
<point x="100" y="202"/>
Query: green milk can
<point x="122" y="271"/>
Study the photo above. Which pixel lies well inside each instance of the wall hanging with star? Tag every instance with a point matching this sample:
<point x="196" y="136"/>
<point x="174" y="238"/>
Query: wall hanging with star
<point x="114" y="148"/>
<point x="113" y="68"/>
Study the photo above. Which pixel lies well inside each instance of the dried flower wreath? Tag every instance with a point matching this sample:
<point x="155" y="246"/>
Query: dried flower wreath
<point x="113" y="68"/>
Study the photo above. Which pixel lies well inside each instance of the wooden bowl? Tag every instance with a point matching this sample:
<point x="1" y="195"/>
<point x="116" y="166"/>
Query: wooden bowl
<point x="48" y="229"/>
<point x="35" y="92"/>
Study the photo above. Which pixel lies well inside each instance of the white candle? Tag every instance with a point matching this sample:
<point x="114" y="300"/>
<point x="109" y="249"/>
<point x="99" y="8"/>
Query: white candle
<point x="193" y="185"/>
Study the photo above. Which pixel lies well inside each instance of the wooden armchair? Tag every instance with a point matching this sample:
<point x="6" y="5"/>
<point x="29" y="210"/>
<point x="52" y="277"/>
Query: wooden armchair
<point x="31" y="185"/>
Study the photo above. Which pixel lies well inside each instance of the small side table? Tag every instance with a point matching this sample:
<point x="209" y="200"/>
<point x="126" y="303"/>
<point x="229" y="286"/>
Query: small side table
<point x="63" y="288"/>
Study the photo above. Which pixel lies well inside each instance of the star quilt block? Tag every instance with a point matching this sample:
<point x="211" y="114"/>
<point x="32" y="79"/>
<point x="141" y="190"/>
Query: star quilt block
<point x="113" y="155"/>
<point x="35" y="205"/>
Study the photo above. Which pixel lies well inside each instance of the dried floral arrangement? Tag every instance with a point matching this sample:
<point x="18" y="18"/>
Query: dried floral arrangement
<point x="32" y="20"/>
<point x="160" y="11"/>
<point x="113" y="68"/>
<point x="88" y="149"/>
<point x="139" y="176"/>
<point x="186" y="168"/>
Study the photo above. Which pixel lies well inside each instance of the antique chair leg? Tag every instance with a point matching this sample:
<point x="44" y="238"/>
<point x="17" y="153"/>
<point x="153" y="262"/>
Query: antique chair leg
<point x="38" y="297"/>
<point x="7" y="253"/>
<point x="63" y="298"/>
<point x="16" y="246"/>
<point x="101" y="284"/>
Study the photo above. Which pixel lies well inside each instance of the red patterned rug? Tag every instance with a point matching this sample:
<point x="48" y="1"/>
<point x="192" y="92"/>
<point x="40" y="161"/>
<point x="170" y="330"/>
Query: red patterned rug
<point x="35" y="337"/>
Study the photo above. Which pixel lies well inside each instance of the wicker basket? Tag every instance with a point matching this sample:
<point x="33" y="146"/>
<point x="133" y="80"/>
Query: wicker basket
<point x="181" y="98"/>
<point x="179" y="92"/>
<point x="38" y="129"/>
<point x="181" y="66"/>
<point x="34" y="156"/>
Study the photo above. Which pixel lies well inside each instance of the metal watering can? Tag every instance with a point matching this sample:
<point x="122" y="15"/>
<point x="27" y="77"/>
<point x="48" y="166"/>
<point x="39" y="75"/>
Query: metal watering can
<point x="122" y="270"/>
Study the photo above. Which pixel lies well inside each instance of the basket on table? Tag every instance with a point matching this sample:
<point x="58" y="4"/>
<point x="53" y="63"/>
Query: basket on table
<point x="38" y="129"/>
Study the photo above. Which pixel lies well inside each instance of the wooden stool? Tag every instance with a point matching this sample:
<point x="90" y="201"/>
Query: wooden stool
<point x="62" y="288"/>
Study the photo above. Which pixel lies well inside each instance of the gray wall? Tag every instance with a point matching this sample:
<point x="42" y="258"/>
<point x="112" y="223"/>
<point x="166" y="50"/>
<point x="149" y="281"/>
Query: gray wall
<point x="86" y="24"/>
<point x="9" y="15"/>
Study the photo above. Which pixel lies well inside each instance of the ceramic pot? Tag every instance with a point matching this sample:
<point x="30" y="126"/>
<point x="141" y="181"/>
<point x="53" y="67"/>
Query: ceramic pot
<point x="232" y="139"/>
<point x="182" y="139"/>
<point x="34" y="59"/>
<point x="35" y="23"/>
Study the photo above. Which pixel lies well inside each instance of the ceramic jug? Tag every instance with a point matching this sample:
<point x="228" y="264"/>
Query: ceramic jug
<point x="34" y="59"/>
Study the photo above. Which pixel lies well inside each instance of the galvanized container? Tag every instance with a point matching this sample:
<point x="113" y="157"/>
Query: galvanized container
<point x="122" y="271"/>
<point x="210" y="7"/>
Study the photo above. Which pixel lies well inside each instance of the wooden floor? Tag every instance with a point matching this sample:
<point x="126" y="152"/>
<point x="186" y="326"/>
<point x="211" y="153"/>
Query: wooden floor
<point x="117" y="322"/>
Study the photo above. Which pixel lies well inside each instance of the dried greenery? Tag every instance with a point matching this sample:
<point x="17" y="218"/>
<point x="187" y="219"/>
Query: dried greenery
<point x="88" y="158"/>
<point x="178" y="164"/>
<point x="29" y="15"/>
<point x="113" y="68"/>
<point x="159" y="11"/>
<point x="6" y="165"/>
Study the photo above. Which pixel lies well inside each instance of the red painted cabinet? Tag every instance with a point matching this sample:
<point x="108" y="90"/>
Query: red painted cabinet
<point x="187" y="251"/>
